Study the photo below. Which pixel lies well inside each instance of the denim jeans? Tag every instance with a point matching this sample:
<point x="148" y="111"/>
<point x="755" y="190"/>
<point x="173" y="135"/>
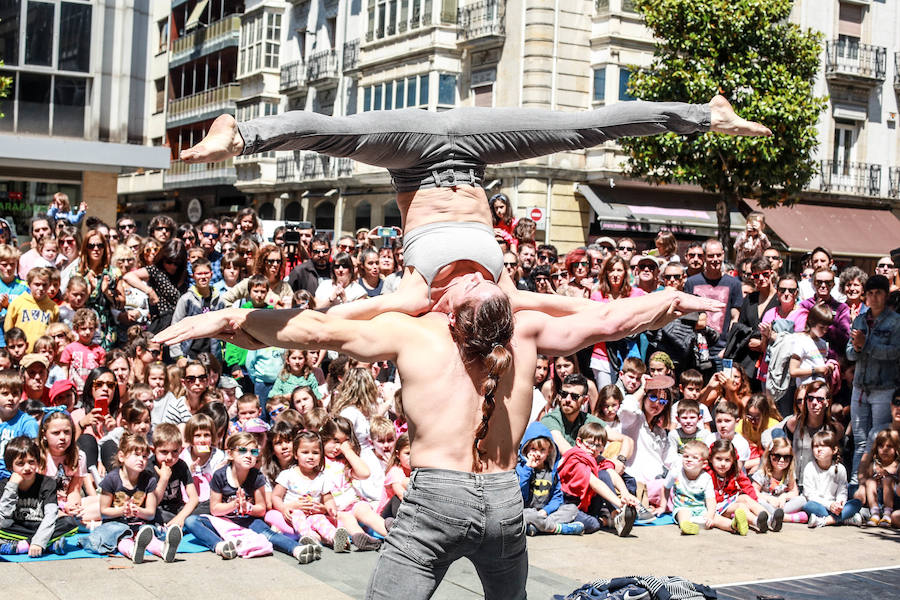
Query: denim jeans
<point x="447" y="515"/>
<point x="851" y="507"/>
<point x="430" y="149"/>
<point x="869" y="411"/>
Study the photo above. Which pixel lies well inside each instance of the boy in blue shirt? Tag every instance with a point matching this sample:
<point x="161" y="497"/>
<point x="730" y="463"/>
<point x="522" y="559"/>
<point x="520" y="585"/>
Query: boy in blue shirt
<point x="13" y="422"/>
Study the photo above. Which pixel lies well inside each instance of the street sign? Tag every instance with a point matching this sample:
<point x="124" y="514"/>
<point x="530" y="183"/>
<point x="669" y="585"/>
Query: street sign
<point x="537" y="215"/>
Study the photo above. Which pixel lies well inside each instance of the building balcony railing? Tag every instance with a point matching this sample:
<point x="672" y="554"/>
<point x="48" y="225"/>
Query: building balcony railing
<point x="322" y="67"/>
<point x="854" y="62"/>
<point x="351" y="55"/>
<point x="221" y="33"/>
<point x="894" y="182"/>
<point x="182" y="175"/>
<point x="293" y="76"/>
<point x="859" y="179"/>
<point x="481" y="22"/>
<point x="306" y="166"/>
<point x="202" y="103"/>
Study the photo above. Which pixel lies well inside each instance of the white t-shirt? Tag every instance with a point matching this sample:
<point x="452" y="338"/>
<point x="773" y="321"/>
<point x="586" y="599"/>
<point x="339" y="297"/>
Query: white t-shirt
<point x="298" y="485"/>
<point x="352" y="292"/>
<point x="705" y="415"/>
<point x="538" y="402"/>
<point x="825" y="486"/>
<point x="741" y="446"/>
<point x="689" y="493"/>
<point x="360" y="426"/>
<point x="651" y="446"/>
<point x="811" y="354"/>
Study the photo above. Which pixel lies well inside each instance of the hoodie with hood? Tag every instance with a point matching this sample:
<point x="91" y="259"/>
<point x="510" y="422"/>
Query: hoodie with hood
<point x="540" y="487"/>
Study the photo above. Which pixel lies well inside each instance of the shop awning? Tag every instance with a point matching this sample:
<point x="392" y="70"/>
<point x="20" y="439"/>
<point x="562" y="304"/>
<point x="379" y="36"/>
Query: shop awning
<point x="654" y="208"/>
<point x="861" y="232"/>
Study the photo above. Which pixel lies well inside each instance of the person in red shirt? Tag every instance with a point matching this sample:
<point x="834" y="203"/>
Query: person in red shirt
<point x="735" y="494"/>
<point x="592" y="483"/>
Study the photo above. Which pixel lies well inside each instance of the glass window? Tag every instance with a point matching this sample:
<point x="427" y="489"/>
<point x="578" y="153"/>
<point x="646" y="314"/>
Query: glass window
<point x="7" y="105"/>
<point x="9" y="31"/>
<point x="410" y="91"/>
<point x="69" y="96"/>
<point x="398" y="103"/>
<point x="382" y="20"/>
<point x="600" y="84"/>
<point x="624" y="76"/>
<point x="75" y="37"/>
<point x="34" y="103"/>
<point x="392" y="17"/>
<point x="447" y="89"/>
<point x="39" y="35"/>
<point x="423" y="89"/>
<point x="367" y="98"/>
<point x="377" y="102"/>
<point x="325" y="216"/>
<point x="389" y="95"/>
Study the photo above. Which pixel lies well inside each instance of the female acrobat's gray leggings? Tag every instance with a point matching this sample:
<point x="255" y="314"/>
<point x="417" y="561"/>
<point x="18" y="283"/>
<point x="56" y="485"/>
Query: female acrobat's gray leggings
<point x="435" y="149"/>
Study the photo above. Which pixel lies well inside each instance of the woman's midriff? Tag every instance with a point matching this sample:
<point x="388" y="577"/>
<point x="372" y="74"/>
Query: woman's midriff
<point x="463" y="203"/>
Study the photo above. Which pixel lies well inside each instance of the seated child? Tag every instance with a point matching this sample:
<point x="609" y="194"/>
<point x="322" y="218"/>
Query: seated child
<point x="29" y="514"/>
<point x="688" y="430"/>
<point x="825" y="484"/>
<point x="727" y="415"/>
<point x="690" y="384"/>
<point x="544" y="509"/>
<point x="128" y="507"/>
<point x="776" y="486"/>
<point x="693" y="494"/>
<point x="200" y="455"/>
<point x="878" y="477"/>
<point x="173" y="478"/>
<point x="396" y="481"/>
<point x="735" y="496"/>
<point x="13" y="421"/>
<point x="247" y="408"/>
<point x="592" y="487"/>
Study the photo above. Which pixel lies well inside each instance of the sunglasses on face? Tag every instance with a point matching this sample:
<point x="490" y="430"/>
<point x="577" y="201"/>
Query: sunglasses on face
<point x="99" y="383"/>
<point x="510" y="264"/>
<point x="194" y="378"/>
<point x="162" y="228"/>
<point x="244" y="450"/>
<point x="582" y="263"/>
<point x="541" y="279"/>
<point x="824" y="283"/>
<point x="786" y="290"/>
<point x="346" y="247"/>
<point x="320" y="252"/>
<point x="645" y="268"/>
<point x="761" y="275"/>
<point x="753" y="418"/>
<point x="228" y="230"/>
<point x="657" y="400"/>
<point x="545" y="256"/>
<point x="625" y="248"/>
<point x="273" y="261"/>
<point x="210" y="236"/>
<point x="277" y="411"/>
<point x="155" y="351"/>
<point x="336" y="267"/>
<point x="781" y="457"/>
<point x="821" y="399"/>
<point x="557" y="276"/>
<point x="671" y="277"/>
<point x="95" y="246"/>
<point x="126" y="226"/>
<point x="572" y="395"/>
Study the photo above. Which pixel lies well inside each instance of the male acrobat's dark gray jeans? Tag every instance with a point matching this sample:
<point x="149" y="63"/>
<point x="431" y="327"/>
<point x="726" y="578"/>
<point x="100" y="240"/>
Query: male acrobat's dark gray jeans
<point x="419" y="147"/>
<point x="447" y="515"/>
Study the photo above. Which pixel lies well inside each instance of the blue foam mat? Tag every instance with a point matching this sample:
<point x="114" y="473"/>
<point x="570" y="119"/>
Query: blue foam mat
<point x="188" y="545"/>
<point x="665" y="519"/>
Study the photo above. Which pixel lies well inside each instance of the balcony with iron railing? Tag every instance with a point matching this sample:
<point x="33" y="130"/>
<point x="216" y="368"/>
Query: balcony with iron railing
<point x="219" y="34"/>
<point x="351" y="55"/>
<point x="322" y="68"/>
<point x="183" y="175"/>
<point x="293" y="76"/>
<point x="202" y="104"/>
<point x="481" y="23"/>
<point x="894" y="182"/>
<point x="310" y="166"/>
<point x="857" y="179"/>
<point x="848" y="61"/>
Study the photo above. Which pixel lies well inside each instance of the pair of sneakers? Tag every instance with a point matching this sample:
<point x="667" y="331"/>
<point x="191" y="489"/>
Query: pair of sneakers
<point x="877" y="520"/>
<point x="146" y="534"/>
<point x="573" y="528"/>
<point x="623" y="520"/>
<point x="307" y="550"/>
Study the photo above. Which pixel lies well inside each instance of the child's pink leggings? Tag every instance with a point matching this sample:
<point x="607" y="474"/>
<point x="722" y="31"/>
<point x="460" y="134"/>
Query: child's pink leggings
<point x="126" y="547"/>
<point x="317" y="526"/>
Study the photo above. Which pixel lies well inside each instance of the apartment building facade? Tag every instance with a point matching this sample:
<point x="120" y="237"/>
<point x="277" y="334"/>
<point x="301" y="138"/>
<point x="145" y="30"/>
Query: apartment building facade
<point x="68" y="125"/>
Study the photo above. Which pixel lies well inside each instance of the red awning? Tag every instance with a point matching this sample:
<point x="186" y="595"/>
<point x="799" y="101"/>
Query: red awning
<point x="843" y="231"/>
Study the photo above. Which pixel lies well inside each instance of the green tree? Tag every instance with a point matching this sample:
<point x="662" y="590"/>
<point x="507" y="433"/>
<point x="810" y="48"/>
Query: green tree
<point x="748" y="51"/>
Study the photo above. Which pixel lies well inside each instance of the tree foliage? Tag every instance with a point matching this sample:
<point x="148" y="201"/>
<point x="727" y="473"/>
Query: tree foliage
<point x="764" y="65"/>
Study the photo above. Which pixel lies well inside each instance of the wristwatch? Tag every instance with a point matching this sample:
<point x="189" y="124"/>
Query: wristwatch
<point x="621" y="459"/>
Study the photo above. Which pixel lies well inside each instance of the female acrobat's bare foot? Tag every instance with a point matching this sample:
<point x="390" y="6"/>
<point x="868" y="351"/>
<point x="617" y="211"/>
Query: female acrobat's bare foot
<point x="725" y="120"/>
<point x="223" y="140"/>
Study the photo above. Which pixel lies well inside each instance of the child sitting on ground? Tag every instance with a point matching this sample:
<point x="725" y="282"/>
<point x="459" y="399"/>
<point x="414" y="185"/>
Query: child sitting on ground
<point x="83" y="355"/>
<point x="825" y="484"/>
<point x="776" y="487"/>
<point x="593" y="486"/>
<point x="176" y="494"/>
<point x="13" y="421"/>
<point x="29" y="514"/>
<point x="396" y="480"/>
<point x="727" y="414"/>
<point x="544" y="509"/>
<point x="735" y="496"/>
<point x="693" y="494"/>
<point x="878" y="477"/>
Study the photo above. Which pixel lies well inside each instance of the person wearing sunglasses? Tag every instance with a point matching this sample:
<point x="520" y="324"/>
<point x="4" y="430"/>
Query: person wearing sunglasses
<point x="646" y="272"/>
<point x="578" y="268"/>
<point x="645" y="417"/>
<point x="756" y="304"/>
<point x="270" y="264"/>
<point x="886" y="267"/>
<point x="612" y="284"/>
<point x="875" y="346"/>
<point x="100" y="401"/>
<point x="839" y="331"/>
<point x="164" y="282"/>
<point x="161" y="228"/>
<point x="694" y="258"/>
<point x="311" y="273"/>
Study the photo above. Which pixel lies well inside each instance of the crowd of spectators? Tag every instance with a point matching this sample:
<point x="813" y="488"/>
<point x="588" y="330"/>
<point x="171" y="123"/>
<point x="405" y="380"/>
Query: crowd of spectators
<point x="782" y="407"/>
